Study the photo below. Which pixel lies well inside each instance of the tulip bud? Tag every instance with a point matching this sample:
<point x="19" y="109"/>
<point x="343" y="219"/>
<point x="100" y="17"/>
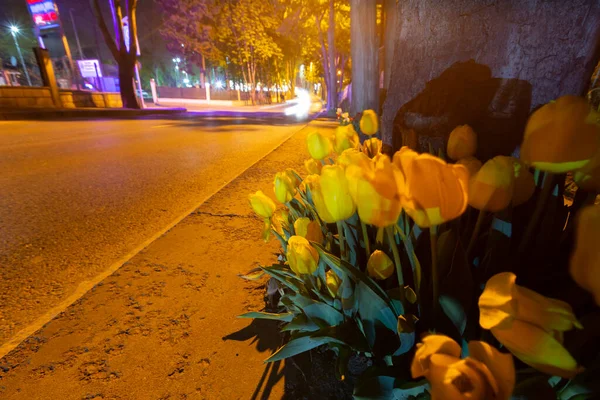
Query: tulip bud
<point x="462" y="142"/>
<point x="372" y="147"/>
<point x="345" y="138"/>
<point x="369" y="122"/>
<point x="336" y="193"/>
<point x="262" y="205"/>
<point x="294" y="177"/>
<point x="312" y="166"/>
<point x="319" y="146"/>
<point x="313" y="182"/>
<point x="561" y="136"/>
<point x="333" y="282"/>
<point x="380" y="266"/>
<point x="353" y="157"/>
<point x="491" y="189"/>
<point x="472" y="164"/>
<point x="301" y="256"/>
<point x="311" y="230"/>
<point x="283" y="187"/>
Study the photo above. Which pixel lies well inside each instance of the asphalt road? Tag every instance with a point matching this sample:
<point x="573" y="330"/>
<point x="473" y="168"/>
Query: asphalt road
<point x="77" y="196"/>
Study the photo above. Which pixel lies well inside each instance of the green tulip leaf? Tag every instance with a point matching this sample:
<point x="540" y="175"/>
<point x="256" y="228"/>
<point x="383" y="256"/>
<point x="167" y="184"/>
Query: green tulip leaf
<point x="300" y="323"/>
<point x="455" y="312"/>
<point x="286" y="317"/>
<point x="300" y="345"/>
<point x="294" y="284"/>
<point x="388" y="383"/>
<point x="320" y="313"/>
<point x="253" y="275"/>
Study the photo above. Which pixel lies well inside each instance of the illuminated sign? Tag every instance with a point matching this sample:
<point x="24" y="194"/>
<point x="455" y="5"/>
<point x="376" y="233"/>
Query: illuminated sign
<point x="44" y="13"/>
<point x="89" y="68"/>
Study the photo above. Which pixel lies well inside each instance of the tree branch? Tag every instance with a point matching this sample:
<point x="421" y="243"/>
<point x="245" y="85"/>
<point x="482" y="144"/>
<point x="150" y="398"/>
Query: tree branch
<point x="112" y="46"/>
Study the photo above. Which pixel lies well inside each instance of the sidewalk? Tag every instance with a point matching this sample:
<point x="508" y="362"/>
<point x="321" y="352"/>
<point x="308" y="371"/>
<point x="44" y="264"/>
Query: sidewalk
<point x="71" y="113"/>
<point x="164" y="325"/>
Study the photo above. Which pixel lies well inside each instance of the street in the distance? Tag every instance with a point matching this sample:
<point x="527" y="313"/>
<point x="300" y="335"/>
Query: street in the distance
<point x="77" y="196"/>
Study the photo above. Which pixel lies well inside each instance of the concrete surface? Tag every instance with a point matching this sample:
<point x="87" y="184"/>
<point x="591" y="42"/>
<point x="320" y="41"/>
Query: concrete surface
<point x="78" y="197"/>
<point x="163" y="326"/>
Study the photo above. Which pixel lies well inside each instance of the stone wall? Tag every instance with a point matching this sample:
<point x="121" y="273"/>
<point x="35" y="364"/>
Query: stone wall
<point x="40" y="97"/>
<point x="25" y="97"/>
<point x="550" y="47"/>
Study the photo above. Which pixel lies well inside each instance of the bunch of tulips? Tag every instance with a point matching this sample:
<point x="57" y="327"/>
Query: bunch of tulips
<point x="414" y="260"/>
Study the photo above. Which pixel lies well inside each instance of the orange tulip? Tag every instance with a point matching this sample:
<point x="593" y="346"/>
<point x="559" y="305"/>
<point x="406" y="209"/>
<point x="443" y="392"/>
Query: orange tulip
<point x="585" y="261"/>
<point x="528" y="324"/>
<point x="491" y="188"/>
<point x="311" y="230"/>
<point x="372" y="147"/>
<point x="435" y="192"/>
<point x="561" y="136"/>
<point x="380" y="266"/>
<point x="376" y="189"/>
<point x="462" y="142"/>
<point x="312" y="166"/>
<point x="486" y="374"/>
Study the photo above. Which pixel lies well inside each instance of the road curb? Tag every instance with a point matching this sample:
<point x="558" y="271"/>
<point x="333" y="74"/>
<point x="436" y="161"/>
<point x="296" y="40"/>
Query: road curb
<point x="58" y="114"/>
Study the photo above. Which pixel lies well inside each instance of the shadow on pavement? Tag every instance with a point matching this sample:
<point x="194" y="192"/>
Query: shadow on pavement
<point x="267" y="337"/>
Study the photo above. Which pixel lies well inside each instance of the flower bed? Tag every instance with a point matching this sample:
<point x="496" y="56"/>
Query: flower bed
<point x="450" y="275"/>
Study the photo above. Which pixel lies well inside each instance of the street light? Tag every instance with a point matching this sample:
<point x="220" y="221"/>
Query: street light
<point x="14" y="30"/>
<point x="177" y="61"/>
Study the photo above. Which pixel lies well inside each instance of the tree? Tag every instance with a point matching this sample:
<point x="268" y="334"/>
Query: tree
<point x="365" y="54"/>
<point x="125" y="57"/>
<point x="188" y="26"/>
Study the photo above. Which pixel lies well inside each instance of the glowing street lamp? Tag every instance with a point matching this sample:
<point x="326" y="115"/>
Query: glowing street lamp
<point x="14" y="30"/>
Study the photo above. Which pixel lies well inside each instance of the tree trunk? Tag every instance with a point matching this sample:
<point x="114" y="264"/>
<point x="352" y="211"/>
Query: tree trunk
<point x="203" y="72"/>
<point x="391" y="20"/>
<point x="126" y="81"/>
<point x="365" y="56"/>
<point x="550" y="45"/>
<point x="332" y="89"/>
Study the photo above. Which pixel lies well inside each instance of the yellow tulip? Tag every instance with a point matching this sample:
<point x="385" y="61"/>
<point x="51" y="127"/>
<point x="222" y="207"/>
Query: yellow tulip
<point x="491" y="189"/>
<point x="585" y="261"/>
<point x="283" y="187"/>
<point x="294" y="177"/>
<point x="486" y="374"/>
<point x="353" y="156"/>
<point x="528" y="324"/>
<point x="333" y="282"/>
<point x="462" y="142"/>
<point x="434" y="191"/>
<point x="311" y="230"/>
<point x="262" y="205"/>
<point x="372" y="147"/>
<point x="314" y="184"/>
<point x="319" y="146"/>
<point x="524" y="186"/>
<point x="312" y="166"/>
<point x="336" y="194"/>
<point x="302" y="257"/>
<point x="472" y="164"/>
<point x="376" y="189"/>
<point x="345" y="138"/>
<point x="279" y="221"/>
<point x="369" y="122"/>
<point x="380" y="266"/>
<point x="561" y="136"/>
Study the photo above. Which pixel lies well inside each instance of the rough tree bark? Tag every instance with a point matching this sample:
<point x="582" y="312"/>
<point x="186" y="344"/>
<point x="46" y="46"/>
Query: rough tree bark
<point x="126" y="59"/>
<point x="552" y="45"/>
<point x="390" y="12"/>
<point x="365" y="55"/>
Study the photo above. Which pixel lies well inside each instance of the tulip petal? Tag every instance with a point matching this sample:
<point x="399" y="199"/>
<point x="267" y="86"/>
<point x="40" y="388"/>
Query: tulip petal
<point x="500" y="365"/>
<point x="432" y="344"/>
<point x="537" y="348"/>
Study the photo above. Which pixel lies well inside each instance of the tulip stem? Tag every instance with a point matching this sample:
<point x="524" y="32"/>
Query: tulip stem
<point x="340" y="229"/>
<point x="475" y="234"/>
<point x="434" y="267"/>
<point x="392" y="239"/>
<point x="366" y="238"/>
<point x="548" y="185"/>
<point x="412" y="257"/>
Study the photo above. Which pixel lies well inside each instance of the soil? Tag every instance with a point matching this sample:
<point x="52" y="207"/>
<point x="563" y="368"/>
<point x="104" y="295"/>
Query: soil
<point x="164" y="325"/>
